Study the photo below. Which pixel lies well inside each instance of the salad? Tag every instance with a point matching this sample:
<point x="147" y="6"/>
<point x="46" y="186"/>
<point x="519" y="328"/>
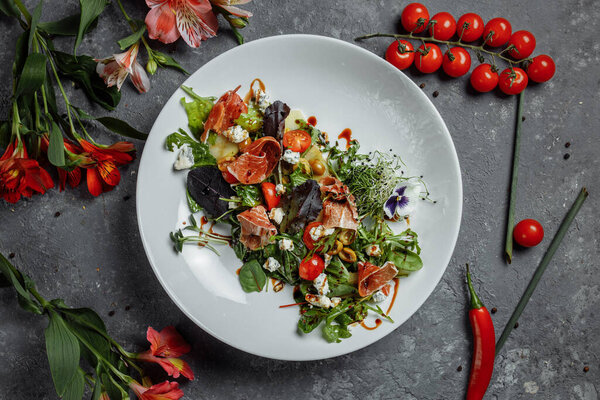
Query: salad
<point x="303" y="211"/>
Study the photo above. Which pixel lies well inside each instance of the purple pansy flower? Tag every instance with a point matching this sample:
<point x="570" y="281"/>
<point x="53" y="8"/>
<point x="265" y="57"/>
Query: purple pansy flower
<point x="402" y="201"/>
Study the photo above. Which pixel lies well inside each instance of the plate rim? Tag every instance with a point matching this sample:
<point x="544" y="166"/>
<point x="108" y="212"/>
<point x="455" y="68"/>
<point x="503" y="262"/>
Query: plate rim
<point x="172" y="294"/>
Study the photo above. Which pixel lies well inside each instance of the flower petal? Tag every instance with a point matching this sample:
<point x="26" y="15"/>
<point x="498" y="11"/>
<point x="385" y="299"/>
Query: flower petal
<point x="139" y="78"/>
<point x="109" y="172"/>
<point x="196" y="21"/>
<point x="127" y="58"/>
<point x="94" y="182"/>
<point x="167" y="343"/>
<point x="162" y="23"/>
<point x="238" y="12"/>
<point x="389" y="207"/>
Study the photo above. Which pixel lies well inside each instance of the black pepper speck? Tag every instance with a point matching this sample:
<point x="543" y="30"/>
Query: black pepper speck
<point x="567" y="156"/>
<point x="126" y="197"/>
<point x="111" y="313"/>
<point x="57" y="214"/>
<point x="11" y="255"/>
<point x="459" y="368"/>
<point x="422" y="85"/>
<point x="568" y="144"/>
<point x="494" y="310"/>
<point x="516" y="325"/>
<point x="436" y="94"/>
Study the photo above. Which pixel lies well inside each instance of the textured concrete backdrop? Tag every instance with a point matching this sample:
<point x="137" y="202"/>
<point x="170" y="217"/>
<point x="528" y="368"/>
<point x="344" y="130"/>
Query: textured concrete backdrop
<point x="91" y="255"/>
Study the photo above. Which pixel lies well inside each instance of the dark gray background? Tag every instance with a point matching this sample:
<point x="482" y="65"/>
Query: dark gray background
<point x="91" y="255"/>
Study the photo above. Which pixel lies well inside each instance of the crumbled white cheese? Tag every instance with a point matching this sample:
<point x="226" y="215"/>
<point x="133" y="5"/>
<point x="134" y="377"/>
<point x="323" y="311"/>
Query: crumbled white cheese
<point x="262" y="98"/>
<point x="235" y="134"/>
<point x="286" y="244"/>
<point x="276" y="215"/>
<point x="291" y="157"/>
<point x="271" y="264"/>
<point x="185" y="159"/>
<point x="378" y="296"/>
<point x="319" y="301"/>
<point x="320" y="231"/>
<point x="233" y="204"/>
<point x="335" y="301"/>
<point x="320" y="283"/>
<point x="373" y="250"/>
<point x="280" y="189"/>
<point x="327" y="259"/>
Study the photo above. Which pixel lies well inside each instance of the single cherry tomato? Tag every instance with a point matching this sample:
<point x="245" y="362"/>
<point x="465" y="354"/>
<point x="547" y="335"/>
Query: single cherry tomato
<point x="484" y="78"/>
<point x="229" y="178"/>
<point x="445" y="26"/>
<point x="513" y="81"/>
<point x="501" y="32"/>
<point x="528" y="233"/>
<point x="297" y="140"/>
<point x="541" y="69"/>
<point x="413" y="15"/>
<point x="431" y="61"/>
<point x="269" y="192"/>
<point x="400" y="53"/>
<point x="306" y="238"/>
<point x="310" y="268"/>
<point x="524" y="43"/>
<point x="457" y="65"/>
<point x="469" y="27"/>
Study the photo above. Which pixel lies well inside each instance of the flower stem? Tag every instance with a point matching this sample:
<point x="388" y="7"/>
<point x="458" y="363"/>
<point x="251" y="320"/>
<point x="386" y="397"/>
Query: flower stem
<point x="24" y="11"/>
<point x="446" y="42"/>
<point x="39" y="297"/>
<point x="133" y="27"/>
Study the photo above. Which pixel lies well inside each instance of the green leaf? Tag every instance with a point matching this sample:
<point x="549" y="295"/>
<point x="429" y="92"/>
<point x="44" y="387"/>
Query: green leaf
<point x="62" y="348"/>
<point x="21" y="285"/>
<point x="33" y="74"/>
<point x="5" y="134"/>
<point x="56" y="147"/>
<point x="90" y="10"/>
<point x="194" y="207"/>
<point x="252" y="120"/>
<point x="97" y="392"/>
<point x="297" y="177"/>
<point x="68" y="26"/>
<point x="249" y="194"/>
<point x="197" y="110"/>
<point x="405" y="260"/>
<point x="121" y="127"/>
<point x="252" y="277"/>
<point x="21" y="53"/>
<point x="132" y="39"/>
<point x="200" y="151"/>
<point x="334" y="333"/>
<point x="311" y="319"/>
<point x="9" y="8"/>
<point x="76" y="387"/>
<point x="82" y="70"/>
<point x="35" y="19"/>
<point x="166" y="61"/>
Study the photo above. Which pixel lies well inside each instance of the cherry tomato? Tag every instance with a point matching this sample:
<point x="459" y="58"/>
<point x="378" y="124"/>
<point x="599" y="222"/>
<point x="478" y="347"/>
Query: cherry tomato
<point x="269" y="192"/>
<point x="445" y="26"/>
<point x="431" y="61"/>
<point x="473" y="31"/>
<point x="541" y="69"/>
<point x="296" y="140"/>
<point x="411" y="15"/>
<point x="310" y="268"/>
<point x="398" y="59"/>
<point x="459" y="65"/>
<point x="528" y="233"/>
<point x="229" y="178"/>
<point x="306" y="238"/>
<point x="484" y="78"/>
<point x="513" y="83"/>
<point x="502" y="31"/>
<point x="524" y="43"/>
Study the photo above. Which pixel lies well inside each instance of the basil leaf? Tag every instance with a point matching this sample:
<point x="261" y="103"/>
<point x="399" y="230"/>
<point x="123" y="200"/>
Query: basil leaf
<point x="76" y="387"/>
<point x="9" y="8"/>
<point x="90" y="10"/>
<point x="166" y="61"/>
<point x="197" y="110"/>
<point x="133" y="38"/>
<point x="33" y="74"/>
<point x="405" y="260"/>
<point x="333" y="333"/>
<point x="62" y="348"/>
<point x="249" y="194"/>
<point x="252" y="277"/>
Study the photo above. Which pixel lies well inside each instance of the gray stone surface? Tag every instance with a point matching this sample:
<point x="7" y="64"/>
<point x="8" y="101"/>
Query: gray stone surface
<point x="91" y="255"/>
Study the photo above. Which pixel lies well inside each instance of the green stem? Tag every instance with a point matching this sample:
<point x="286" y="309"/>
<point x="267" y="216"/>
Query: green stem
<point x="510" y="222"/>
<point x="134" y="27"/>
<point x="39" y="297"/>
<point x="446" y="42"/>
<point x="23" y="10"/>
<point x="475" y="302"/>
<point x="562" y="230"/>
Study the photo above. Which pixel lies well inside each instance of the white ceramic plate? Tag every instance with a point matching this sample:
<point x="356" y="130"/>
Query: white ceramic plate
<point x="344" y="86"/>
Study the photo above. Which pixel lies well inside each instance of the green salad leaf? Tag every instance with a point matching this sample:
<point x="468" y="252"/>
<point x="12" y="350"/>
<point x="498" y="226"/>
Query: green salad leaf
<point x="197" y="110"/>
<point x="333" y="333"/>
<point x="194" y="207"/>
<point x="297" y="177"/>
<point x="405" y="260"/>
<point x="200" y="151"/>
<point x="249" y="194"/>
<point x="252" y="277"/>
<point x="251" y="121"/>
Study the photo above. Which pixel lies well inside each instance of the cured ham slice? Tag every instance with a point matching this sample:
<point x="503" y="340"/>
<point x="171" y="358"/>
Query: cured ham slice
<point x="372" y="278"/>
<point x="224" y="113"/>
<point x="256" y="162"/>
<point x="339" y="207"/>
<point x="256" y="227"/>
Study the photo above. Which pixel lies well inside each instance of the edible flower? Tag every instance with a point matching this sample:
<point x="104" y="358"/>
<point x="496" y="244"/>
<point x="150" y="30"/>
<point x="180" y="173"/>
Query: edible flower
<point x="114" y="70"/>
<point x="161" y="391"/>
<point x="402" y="201"/>
<point x="165" y="347"/>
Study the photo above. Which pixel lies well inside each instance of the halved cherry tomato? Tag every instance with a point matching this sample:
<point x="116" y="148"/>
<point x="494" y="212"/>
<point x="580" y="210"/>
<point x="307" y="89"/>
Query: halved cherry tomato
<point x="430" y="62"/>
<point x="310" y="268"/>
<point x="473" y="29"/>
<point x="524" y="43"/>
<point x="528" y="233"/>
<point x="445" y="26"/>
<point x="460" y="63"/>
<point x="306" y="238"/>
<point x="229" y="178"/>
<point x="513" y="83"/>
<point x="411" y="15"/>
<point x="270" y="194"/>
<point x="297" y="140"/>
<point x="398" y="59"/>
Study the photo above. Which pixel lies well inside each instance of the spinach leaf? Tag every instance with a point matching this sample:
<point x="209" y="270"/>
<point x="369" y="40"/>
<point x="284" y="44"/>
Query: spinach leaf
<point x="405" y="260"/>
<point x="197" y="110"/>
<point x="301" y="205"/>
<point x="252" y="277"/>
<point x="249" y="194"/>
<point x="207" y="186"/>
<point x="252" y="120"/>
<point x="334" y="333"/>
<point x="311" y="319"/>
<point x="337" y="269"/>
<point x="274" y="119"/>
<point x="297" y="177"/>
<point x="200" y="150"/>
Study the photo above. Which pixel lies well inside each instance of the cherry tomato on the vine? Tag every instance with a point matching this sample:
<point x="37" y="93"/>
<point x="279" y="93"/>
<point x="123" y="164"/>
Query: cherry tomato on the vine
<point x="528" y="233"/>
<point x="445" y="26"/>
<point x="524" y="43"/>
<point x="513" y="81"/>
<point x="459" y="64"/>
<point x="484" y="78"/>
<point x="430" y="62"/>
<point x="473" y="31"/>
<point x="502" y="31"/>
<point x="306" y="238"/>
<point x="297" y="140"/>
<point x="310" y="268"/>
<point x="411" y="15"/>
<point x="400" y="60"/>
<point x="270" y="194"/>
<point x="541" y="69"/>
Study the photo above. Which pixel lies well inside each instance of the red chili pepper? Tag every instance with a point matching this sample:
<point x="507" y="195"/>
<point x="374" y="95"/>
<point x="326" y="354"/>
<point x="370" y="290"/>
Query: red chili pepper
<point x="484" y="346"/>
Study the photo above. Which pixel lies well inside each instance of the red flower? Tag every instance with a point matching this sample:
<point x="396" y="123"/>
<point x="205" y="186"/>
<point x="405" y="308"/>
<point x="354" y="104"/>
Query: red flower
<point x="72" y="176"/>
<point x="162" y="391"/>
<point x="165" y="347"/>
<point x="20" y="175"/>
<point x="172" y="366"/>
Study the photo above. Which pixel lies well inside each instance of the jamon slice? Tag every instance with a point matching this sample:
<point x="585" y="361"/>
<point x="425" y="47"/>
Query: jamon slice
<point x="339" y="208"/>
<point x="257" y="161"/>
<point x="372" y="278"/>
<point x="256" y="228"/>
<point x="225" y="111"/>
